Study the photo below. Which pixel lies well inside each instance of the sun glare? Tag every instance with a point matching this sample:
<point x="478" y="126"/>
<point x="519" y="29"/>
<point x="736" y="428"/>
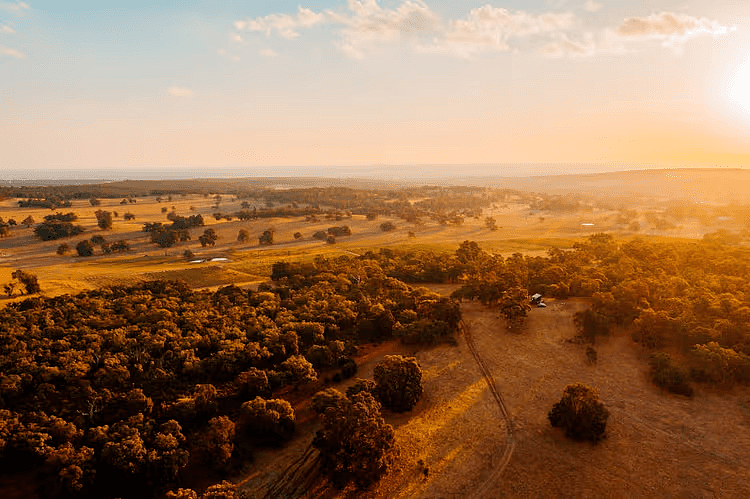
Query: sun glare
<point x="740" y="91"/>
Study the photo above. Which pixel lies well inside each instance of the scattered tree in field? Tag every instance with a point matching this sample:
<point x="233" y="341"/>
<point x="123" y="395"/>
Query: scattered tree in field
<point x="398" y="382"/>
<point x="94" y="202"/>
<point x="243" y="236"/>
<point x="387" y="226"/>
<point x="344" y="230"/>
<point x="321" y="234"/>
<point x="266" y="238"/>
<point x="330" y="239"/>
<point x="28" y="221"/>
<point x="63" y="249"/>
<point x="491" y="223"/>
<point x="28" y="281"/>
<point x="128" y="216"/>
<point x="208" y="238"/>
<point x="354" y="440"/>
<point x="298" y="235"/>
<point x="4" y="230"/>
<point x="98" y="239"/>
<point x="188" y="254"/>
<point x="164" y="209"/>
<point x="85" y="248"/>
<point x="56" y="228"/>
<point x="580" y="413"/>
<point x="266" y="421"/>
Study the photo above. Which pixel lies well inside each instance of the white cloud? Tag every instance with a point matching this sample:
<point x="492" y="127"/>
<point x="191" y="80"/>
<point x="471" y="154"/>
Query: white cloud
<point x="592" y="6"/>
<point x="364" y="27"/>
<point x="15" y="7"/>
<point x="5" y="51"/>
<point x="267" y="53"/>
<point x="7" y="30"/>
<point x="673" y="29"/>
<point x="285" y="25"/>
<point x="235" y="37"/>
<point x="179" y="92"/>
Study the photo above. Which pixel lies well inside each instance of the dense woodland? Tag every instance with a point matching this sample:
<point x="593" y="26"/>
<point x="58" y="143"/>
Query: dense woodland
<point x="111" y="393"/>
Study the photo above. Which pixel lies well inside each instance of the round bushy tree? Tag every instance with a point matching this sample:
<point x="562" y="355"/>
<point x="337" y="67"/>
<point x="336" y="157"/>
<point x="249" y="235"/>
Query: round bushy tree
<point x="266" y="421"/>
<point x="580" y="413"/>
<point x="354" y="440"/>
<point x="398" y="382"/>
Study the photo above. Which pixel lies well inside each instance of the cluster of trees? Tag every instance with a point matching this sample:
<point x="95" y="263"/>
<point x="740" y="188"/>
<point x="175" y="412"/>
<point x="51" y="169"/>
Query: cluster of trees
<point x="86" y="247"/>
<point x="58" y="226"/>
<point x="114" y="391"/>
<point x="26" y="280"/>
<point x="167" y="236"/>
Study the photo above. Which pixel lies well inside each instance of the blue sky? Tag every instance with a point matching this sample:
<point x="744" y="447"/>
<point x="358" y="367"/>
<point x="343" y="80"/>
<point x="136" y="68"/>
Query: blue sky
<point x="258" y="84"/>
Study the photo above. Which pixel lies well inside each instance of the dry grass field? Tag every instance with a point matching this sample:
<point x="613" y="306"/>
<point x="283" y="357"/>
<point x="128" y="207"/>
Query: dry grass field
<point x="657" y="445"/>
<point x="520" y="230"/>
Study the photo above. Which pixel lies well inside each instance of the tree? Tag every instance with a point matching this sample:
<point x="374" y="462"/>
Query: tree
<point x="267" y="237"/>
<point x="266" y="421"/>
<point x="63" y="249"/>
<point x="398" y="382"/>
<point x="298" y="235"/>
<point x="28" y="221"/>
<point x="218" y="442"/>
<point x="103" y="219"/>
<point x="491" y="223"/>
<point x="28" y="281"/>
<point x="299" y="370"/>
<point x="243" y="236"/>
<point x="208" y="238"/>
<point x="387" y="226"/>
<point x="354" y="440"/>
<point x="580" y="413"/>
<point x="128" y="216"/>
<point x="85" y="248"/>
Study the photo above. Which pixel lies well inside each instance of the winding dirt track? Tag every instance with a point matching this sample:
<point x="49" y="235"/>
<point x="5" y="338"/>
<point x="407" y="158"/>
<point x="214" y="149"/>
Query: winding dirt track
<point x="510" y="443"/>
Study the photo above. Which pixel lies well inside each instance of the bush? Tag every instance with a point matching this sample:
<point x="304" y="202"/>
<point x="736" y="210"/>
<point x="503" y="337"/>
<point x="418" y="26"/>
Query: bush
<point x="387" y="227"/>
<point x="63" y="249"/>
<point x="398" y="382"/>
<point x="580" y="413"/>
<point x="243" y="236"/>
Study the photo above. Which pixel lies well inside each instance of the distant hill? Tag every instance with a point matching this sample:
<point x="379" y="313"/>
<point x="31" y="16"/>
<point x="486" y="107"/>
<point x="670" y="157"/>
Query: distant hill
<point x="710" y="185"/>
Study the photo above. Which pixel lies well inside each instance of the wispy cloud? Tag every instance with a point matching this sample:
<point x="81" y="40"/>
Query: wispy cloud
<point x="267" y="53"/>
<point x="670" y="27"/>
<point x="5" y="51"/>
<point x="179" y="91"/>
<point x="285" y="25"/>
<point x="365" y="27"/>
<point x="592" y="6"/>
<point x="7" y="30"/>
<point x="15" y="7"/>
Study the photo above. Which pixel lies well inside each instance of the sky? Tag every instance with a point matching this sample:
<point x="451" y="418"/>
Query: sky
<point x="345" y="86"/>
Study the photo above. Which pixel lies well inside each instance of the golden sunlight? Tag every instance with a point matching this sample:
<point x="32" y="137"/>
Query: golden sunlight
<point x="740" y="91"/>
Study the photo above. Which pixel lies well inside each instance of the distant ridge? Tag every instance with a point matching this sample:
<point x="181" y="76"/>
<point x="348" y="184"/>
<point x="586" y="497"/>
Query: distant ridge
<point x="720" y="185"/>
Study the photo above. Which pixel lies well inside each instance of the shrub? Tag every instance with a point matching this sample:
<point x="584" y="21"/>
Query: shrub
<point x="128" y="216"/>
<point x="63" y="249"/>
<point x="267" y="237"/>
<point x="387" y="227"/>
<point x="580" y="413"/>
<point x="243" y="236"/>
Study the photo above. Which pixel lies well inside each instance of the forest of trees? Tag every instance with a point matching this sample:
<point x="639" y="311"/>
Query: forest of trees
<point x="111" y="393"/>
